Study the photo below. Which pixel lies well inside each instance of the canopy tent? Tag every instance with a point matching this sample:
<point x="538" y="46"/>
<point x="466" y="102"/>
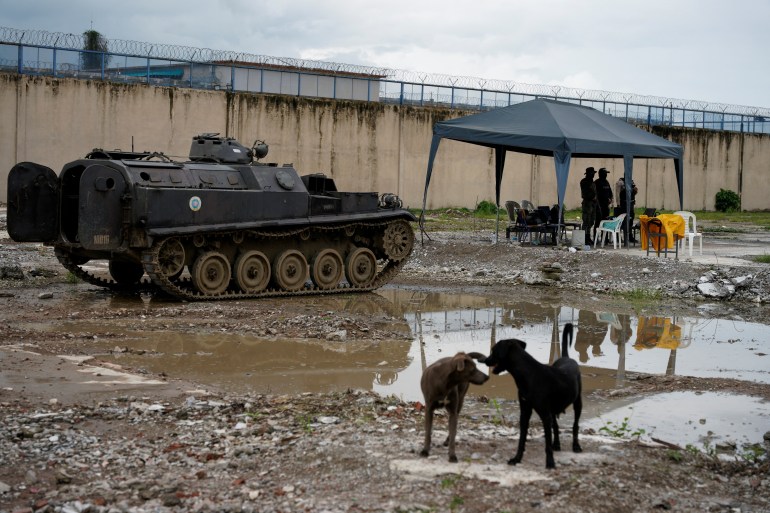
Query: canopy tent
<point x="564" y="130"/>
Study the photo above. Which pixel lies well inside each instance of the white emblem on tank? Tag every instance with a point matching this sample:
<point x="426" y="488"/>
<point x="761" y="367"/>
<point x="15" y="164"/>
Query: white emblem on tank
<point x="195" y="203"/>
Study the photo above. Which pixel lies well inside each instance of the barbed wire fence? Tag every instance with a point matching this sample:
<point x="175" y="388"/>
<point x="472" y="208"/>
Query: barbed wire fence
<point x="68" y="41"/>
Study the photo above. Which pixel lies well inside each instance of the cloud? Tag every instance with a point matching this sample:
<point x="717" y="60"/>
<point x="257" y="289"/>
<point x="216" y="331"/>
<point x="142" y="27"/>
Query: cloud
<point x="701" y="49"/>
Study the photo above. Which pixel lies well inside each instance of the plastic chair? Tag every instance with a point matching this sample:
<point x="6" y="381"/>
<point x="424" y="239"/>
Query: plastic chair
<point x="690" y="230"/>
<point x="657" y="239"/>
<point x="528" y="206"/>
<point x="612" y="227"/>
<point x="516" y="221"/>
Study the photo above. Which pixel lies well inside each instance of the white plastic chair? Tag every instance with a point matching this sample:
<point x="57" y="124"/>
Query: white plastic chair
<point x="690" y="230"/>
<point x="611" y="226"/>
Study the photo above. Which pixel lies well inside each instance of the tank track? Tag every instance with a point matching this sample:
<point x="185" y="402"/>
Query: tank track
<point x="65" y="259"/>
<point x="183" y="288"/>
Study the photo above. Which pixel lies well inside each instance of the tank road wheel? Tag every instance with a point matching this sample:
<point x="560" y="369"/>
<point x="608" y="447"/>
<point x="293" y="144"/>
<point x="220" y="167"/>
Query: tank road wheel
<point x="327" y="269"/>
<point x="252" y="271"/>
<point x="398" y="239"/>
<point x="171" y="258"/>
<point x="126" y="273"/>
<point x="211" y="273"/>
<point x="290" y="270"/>
<point x="361" y="267"/>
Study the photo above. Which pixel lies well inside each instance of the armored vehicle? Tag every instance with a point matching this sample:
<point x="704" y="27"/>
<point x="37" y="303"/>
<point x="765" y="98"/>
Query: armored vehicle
<point x="219" y="225"/>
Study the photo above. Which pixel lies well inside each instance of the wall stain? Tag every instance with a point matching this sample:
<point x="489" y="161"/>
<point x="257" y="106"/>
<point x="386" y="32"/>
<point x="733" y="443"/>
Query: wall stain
<point x="336" y="119"/>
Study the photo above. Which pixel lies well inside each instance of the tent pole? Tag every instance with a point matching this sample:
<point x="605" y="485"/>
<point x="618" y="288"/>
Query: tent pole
<point x="499" y="165"/>
<point x="628" y="178"/>
<point x="431" y="156"/>
<point x="562" y="159"/>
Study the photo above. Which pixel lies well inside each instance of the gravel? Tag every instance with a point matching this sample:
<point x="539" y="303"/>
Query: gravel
<point x="195" y="448"/>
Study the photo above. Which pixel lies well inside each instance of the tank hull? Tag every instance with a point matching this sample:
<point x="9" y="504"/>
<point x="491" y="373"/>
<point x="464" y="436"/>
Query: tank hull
<point x="204" y="230"/>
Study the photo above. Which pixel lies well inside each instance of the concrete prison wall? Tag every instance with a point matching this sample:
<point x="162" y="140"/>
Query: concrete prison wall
<point x="364" y="146"/>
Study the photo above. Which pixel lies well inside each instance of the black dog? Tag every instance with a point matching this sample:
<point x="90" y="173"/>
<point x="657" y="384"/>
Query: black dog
<point x="546" y="389"/>
<point x="444" y="383"/>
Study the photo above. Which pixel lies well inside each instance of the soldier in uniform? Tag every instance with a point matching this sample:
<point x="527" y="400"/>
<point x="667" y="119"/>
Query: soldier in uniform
<point x="603" y="197"/>
<point x="623" y="201"/>
<point x="588" y="193"/>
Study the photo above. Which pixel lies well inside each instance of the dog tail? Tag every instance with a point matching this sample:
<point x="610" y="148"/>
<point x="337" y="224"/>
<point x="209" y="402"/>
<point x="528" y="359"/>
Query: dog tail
<point x="478" y="357"/>
<point x="566" y="339"/>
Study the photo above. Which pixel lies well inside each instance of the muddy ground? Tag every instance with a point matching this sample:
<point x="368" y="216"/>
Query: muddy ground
<point x="80" y="434"/>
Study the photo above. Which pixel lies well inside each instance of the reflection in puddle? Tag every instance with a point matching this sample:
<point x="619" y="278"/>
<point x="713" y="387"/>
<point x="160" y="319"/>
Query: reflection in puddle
<point x="268" y="366"/>
<point x="706" y="420"/>
<point x="607" y="345"/>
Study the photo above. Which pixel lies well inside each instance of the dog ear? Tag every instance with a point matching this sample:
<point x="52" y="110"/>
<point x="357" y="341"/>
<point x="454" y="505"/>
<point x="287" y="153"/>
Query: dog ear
<point x="521" y="343"/>
<point x="459" y="360"/>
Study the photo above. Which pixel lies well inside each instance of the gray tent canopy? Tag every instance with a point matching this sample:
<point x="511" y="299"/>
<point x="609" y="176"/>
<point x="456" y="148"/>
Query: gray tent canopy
<point x="563" y="130"/>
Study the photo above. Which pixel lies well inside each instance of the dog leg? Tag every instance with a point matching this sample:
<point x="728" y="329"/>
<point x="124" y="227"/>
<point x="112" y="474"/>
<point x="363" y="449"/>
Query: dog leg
<point x="577" y="406"/>
<point x="526" y="413"/>
<point x="548" y="421"/>
<point x="428" y="428"/>
<point x="556" y="443"/>
<point x="453" y="414"/>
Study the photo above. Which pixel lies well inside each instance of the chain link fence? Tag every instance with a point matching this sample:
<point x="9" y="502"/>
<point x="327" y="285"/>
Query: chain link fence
<point x="57" y="54"/>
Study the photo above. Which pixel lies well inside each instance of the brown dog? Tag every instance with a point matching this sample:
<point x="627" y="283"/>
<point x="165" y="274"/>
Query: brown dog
<point x="444" y="383"/>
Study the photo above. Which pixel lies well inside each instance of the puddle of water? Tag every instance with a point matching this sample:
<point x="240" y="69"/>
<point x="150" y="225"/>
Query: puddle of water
<point x="704" y="420"/>
<point x="264" y="365"/>
<point x="607" y="344"/>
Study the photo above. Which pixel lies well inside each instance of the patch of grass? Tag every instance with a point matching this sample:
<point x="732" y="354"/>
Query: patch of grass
<point x="305" y="421"/>
<point x="759" y="218"/>
<point x="497" y="418"/>
<point x="622" y="429"/>
<point x="72" y="279"/>
<point x="753" y="453"/>
<point x="484" y="217"/>
<point x="641" y="295"/>
<point x="450" y="481"/>
<point x="457" y="501"/>
<point x="254" y="415"/>
<point x="762" y="259"/>
<point x="721" y="229"/>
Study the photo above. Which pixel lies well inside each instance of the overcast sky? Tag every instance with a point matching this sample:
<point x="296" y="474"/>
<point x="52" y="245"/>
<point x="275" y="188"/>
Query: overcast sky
<point x="710" y="50"/>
